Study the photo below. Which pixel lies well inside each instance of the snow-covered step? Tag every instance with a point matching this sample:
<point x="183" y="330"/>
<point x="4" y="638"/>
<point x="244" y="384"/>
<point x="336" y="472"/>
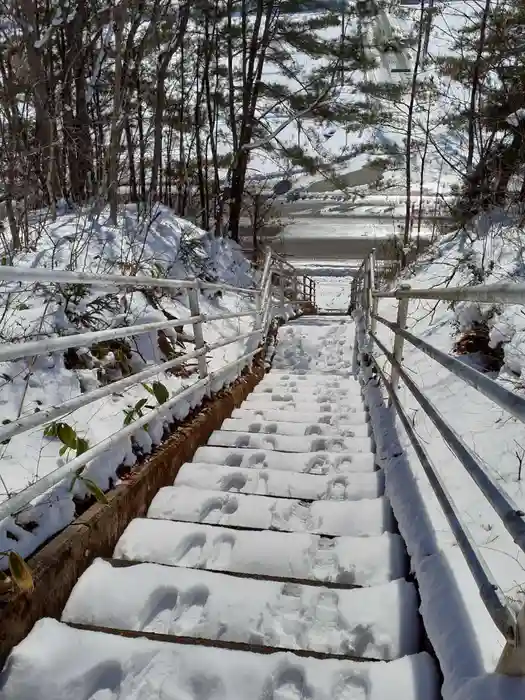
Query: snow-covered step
<point x="305" y="463"/>
<point x="185" y="602"/>
<point x="352" y="389"/>
<point x="356" y="518"/>
<point x="311" y="375"/>
<point x="351" y="414"/>
<point x="287" y="443"/>
<point x="317" y="393"/>
<point x="272" y="482"/>
<point x="358" y="561"/>
<point x="306" y="381"/>
<point x="270" y="414"/>
<point x="58" y="662"/>
<point x="327" y="383"/>
<point x="282" y="427"/>
<point x="304" y="402"/>
<point x="334" y="366"/>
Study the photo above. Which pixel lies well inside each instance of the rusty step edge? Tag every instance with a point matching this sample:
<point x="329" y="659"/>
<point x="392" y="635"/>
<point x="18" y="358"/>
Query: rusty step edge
<point x="335" y="585"/>
<point x="217" y="643"/>
<point x="246" y="528"/>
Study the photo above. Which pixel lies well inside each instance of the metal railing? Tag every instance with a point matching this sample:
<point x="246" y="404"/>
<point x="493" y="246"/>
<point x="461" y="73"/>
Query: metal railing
<point x="279" y="284"/>
<point x="365" y="296"/>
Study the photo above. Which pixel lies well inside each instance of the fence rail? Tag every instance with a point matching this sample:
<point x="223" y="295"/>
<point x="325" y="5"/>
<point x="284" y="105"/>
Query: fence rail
<point x="365" y="295"/>
<point x="279" y="283"/>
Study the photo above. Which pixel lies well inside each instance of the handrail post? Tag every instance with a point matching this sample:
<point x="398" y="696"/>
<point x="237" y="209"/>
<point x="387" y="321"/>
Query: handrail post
<point x="512" y="659"/>
<point x="402" y="314"/>
<point x="373" y="301"/>
<point x="258" y="314"/>
<point x="193" y="299"/>
<point x="366" y="293"/>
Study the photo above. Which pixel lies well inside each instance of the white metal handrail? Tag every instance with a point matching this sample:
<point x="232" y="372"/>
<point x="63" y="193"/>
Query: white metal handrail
<point x="364" y="303"/>
<point x="265" y="295"/>
<point x="42" y="274"/>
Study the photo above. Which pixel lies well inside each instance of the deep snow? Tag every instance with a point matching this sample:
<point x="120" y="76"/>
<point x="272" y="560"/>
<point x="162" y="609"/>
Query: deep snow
<point x="157" y="244"/>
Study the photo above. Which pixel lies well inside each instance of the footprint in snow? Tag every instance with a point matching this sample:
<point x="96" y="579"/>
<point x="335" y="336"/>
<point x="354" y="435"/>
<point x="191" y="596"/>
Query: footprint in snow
<point x="203" y="686"/>
<point x="352" y="687"/>
<point x="233" y="482"/>
<point x="189" y="552"/>
<point x="215" y="508"/>
<point x="190" y="610"/>
<point x="289" y="683"/>
<point x="285" y="619"/>
<point x="221" y="552"/>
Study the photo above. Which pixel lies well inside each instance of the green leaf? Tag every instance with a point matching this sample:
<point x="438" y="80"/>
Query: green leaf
<point x="82" y="446"/>
<point x="67" y="435"/>
<point x="63" y="450"/>
<point x="140" y="404"/>
<point x="148" y="388"/>
<point x="94" y="490"/>
<point x="51" y="430"/>
<point x="20" y="572"/>
<point x="160" y="392"/>
<point x="128" y="418"/>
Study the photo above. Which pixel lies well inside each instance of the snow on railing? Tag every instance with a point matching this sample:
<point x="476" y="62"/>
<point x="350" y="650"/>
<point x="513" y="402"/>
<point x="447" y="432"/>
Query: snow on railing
<point x="364" y="301"/>
<point x="278" y="284"/>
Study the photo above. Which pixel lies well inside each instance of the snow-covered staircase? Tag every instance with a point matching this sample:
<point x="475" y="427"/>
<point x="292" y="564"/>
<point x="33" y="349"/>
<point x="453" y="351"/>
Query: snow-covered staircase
<point x="276" y="538"/>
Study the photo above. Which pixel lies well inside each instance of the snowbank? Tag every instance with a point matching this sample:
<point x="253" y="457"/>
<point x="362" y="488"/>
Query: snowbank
<point x="465" y="638"/>
<point x="157" y="244"/>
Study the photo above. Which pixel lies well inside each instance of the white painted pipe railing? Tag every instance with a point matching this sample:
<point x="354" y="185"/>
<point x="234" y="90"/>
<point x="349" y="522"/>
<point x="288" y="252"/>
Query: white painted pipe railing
<point x="364" y="302"/>
<point x="264" y="296"/>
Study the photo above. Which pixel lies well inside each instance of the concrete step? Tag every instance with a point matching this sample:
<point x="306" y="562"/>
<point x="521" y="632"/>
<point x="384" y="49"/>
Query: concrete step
<point x="177" y="601"/>
<point x="356" y="518"/>
<point x="333" y="463"/>
<point x="282" y="484"/>
<point x="345" y="561"/>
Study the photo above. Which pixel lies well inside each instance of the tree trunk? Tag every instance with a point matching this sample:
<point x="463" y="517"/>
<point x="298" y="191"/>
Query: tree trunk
<point x="507" y="165"/>
<point x="131" y="161"/>
<point x="475" y="85"/>
<point x="120" y="14"/>
<point x="408" y="152"/>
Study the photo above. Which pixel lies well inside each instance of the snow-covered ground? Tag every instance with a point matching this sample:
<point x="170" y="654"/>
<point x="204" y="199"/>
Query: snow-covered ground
<point x="347" y="227"/>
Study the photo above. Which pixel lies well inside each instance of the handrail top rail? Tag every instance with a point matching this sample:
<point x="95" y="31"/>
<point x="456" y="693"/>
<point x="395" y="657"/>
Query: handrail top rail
<point x="501" y="292"/>
<point x="42" y="274"/>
